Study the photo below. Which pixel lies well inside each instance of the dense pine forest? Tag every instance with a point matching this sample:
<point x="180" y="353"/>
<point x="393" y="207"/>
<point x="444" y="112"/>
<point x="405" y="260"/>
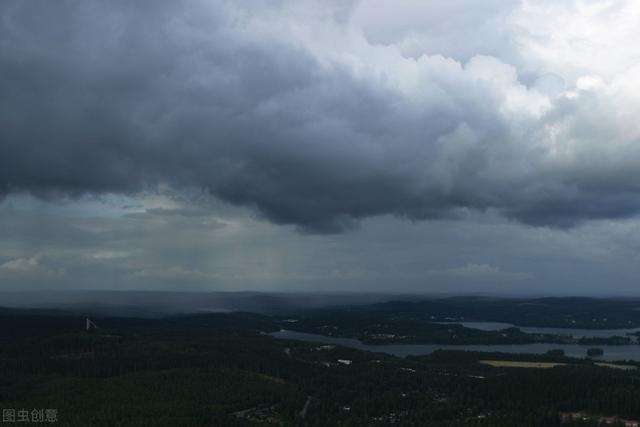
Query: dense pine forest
<point x="221" y="369"/>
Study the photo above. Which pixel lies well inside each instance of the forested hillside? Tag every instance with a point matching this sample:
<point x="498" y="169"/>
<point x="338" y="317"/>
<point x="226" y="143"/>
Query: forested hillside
<point x="221" y="370"/>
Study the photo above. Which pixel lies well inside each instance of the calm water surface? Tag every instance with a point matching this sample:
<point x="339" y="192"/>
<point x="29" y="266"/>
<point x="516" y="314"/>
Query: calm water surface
<point x="611" y="352"/>
<point x="577" y="333"/>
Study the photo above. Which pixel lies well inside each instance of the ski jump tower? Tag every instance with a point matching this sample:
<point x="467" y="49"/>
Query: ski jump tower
<point x="89" y="325"/>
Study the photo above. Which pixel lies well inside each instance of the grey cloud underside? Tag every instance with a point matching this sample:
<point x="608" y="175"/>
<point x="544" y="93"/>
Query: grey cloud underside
<point x="125" y="96"/>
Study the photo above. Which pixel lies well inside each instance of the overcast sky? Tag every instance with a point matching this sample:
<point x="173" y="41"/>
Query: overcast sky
<point x="381" y="145"/>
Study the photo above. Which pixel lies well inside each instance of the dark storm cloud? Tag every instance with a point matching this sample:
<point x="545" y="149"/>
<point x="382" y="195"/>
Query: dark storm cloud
<point x="288" y="109"/>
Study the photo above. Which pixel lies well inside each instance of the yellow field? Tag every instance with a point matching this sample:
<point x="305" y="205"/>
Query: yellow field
<point x="517" y="364"/>
<point x="614" y="366"/>
<point x="546" y="365"/>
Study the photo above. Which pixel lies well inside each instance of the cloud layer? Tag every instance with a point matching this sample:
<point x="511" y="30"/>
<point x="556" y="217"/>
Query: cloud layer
<point x="319" y="114"/>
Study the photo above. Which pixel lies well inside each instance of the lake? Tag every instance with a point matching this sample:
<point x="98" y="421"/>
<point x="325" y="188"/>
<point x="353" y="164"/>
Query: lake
<point x="611" y="352"/>
<point x="577" y="333"/>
